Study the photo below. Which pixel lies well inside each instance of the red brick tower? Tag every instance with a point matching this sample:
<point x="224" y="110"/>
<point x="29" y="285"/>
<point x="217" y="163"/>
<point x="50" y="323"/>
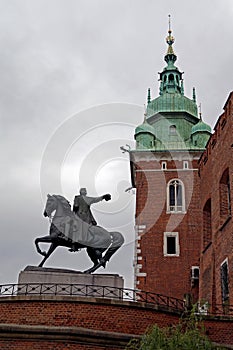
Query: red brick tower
<point x="164" y="169"/>
<point x="216" y="174"/>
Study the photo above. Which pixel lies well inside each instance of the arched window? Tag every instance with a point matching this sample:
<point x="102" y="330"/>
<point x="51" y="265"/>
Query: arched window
<point x="175" y="196"/>
<point x="171" y="77"/>
<point x="225" y="280"/>
<point x="172" y="130"/>
<point x="225" y="195"/>
<point x="207" y="229"/>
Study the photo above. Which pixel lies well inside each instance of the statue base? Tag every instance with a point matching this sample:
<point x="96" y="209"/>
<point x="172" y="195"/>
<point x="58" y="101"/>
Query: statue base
<point x="55" y="281"/>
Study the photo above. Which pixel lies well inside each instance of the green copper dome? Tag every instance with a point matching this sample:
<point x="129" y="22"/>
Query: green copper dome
<point x="145" y="128"/>
<point x="172" y="102"/>
<point x="201" y="127"/>
<point x="145" y="135"/>
<point x="171" y="89"/>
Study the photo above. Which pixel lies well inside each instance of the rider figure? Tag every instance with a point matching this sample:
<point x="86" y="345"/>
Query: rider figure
<point x="82" y="208"/>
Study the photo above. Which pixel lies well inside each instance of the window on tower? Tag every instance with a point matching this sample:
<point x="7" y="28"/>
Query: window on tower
<point x="171" y="245"/>
<point x="224" y="281"/>
<point x="171" y="77"/>
<point x="172" y="130"/>
<point x="164" y="165"/>
<point x="175" y="196"/>
<point x="207" y="229"/>
<point x="225" y="196"/>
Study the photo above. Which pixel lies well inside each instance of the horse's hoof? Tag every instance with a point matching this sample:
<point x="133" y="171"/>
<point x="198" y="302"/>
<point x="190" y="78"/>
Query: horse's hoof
<point x="103" y="263"/>
<point x="93" y="268"/>
<point x="43" y="253"/>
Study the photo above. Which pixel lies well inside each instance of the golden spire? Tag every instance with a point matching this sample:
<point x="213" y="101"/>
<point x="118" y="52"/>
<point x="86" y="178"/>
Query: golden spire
<point x="170" y="39"/>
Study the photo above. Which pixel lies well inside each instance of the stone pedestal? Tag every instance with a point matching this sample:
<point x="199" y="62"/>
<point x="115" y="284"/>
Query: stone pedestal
<point x="54" y="281"/>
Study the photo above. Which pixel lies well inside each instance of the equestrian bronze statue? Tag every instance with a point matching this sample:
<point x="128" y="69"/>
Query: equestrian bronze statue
<point x="69" y="230"/>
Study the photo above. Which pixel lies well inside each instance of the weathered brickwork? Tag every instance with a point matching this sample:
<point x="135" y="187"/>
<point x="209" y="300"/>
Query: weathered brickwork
<point x="61" y="323"/>
<point x="44" y="345"/>
<point x="216" y="170"/>
<point x="81" y="312"/>
<point x="100" y="324"/>
<point x="168" y="275"/>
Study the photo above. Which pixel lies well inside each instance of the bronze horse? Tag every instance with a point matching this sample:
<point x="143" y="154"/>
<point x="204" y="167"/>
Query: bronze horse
<point x="68" y="230"/>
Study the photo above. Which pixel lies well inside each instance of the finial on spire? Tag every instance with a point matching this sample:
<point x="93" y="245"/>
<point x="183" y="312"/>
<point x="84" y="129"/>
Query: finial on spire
<point x="194" y="94"/>
<point x="170" y="39"/>
<point x="169" y="23"/>
<point x="148" y="96"/>
<point x="199" y="107"/>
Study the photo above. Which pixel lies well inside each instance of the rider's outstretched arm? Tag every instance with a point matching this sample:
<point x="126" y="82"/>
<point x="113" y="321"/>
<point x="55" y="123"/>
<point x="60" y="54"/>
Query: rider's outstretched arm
<point x="92" y="200"/>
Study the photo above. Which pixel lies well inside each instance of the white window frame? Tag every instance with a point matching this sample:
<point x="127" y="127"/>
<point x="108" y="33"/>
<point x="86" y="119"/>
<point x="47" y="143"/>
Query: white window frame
<point x="193" y="268"/>
<point x="164" y="165"/>
<point x="175" y="208"/>
<point x="185" y="164"/>
<point x="225" y="262"/>
<point x="171" y="234"/>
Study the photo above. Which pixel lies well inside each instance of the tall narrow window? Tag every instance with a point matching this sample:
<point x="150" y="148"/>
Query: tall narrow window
<point x="171" y="77"/>
<point x="225" y="195"/>
<point x="224" y="281"/>
<point x="164" y="165"/>
<point x="207" y="229"/>
<point x="185" y="164"/>
<point x="175" y="196"/>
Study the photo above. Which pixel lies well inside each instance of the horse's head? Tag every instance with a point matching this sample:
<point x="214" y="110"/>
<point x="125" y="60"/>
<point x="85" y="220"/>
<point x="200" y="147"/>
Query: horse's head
<point x="56" y="202"/>
<point x="50" y="205"/>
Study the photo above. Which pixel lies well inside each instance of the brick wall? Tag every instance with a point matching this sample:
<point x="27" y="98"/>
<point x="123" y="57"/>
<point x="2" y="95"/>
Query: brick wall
<point x="156" y="272"/>
<point x="64" y="321"/>
<point x="89" y="313"/>
<point x="61" y="323"/>
<point x="215" y="163"/>
<point x="44" y="345"/>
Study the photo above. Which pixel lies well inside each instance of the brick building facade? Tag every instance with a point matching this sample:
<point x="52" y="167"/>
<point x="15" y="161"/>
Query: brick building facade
<point x="168" y="243"/>
<point x="216" y="183"/>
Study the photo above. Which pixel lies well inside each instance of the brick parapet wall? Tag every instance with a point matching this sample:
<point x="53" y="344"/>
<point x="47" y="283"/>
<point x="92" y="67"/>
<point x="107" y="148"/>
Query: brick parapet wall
<point x="65" y="321"/>
<point x="93" y="313"/>
<point x="59" y="323"/>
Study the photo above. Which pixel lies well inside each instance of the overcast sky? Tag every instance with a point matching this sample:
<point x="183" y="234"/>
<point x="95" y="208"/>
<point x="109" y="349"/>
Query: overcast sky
<point x="73" y="81"/>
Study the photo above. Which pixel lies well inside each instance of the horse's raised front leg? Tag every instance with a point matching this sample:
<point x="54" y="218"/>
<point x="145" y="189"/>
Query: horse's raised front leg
<point x="45" y="239"/>
<point x="52" y="247"/>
